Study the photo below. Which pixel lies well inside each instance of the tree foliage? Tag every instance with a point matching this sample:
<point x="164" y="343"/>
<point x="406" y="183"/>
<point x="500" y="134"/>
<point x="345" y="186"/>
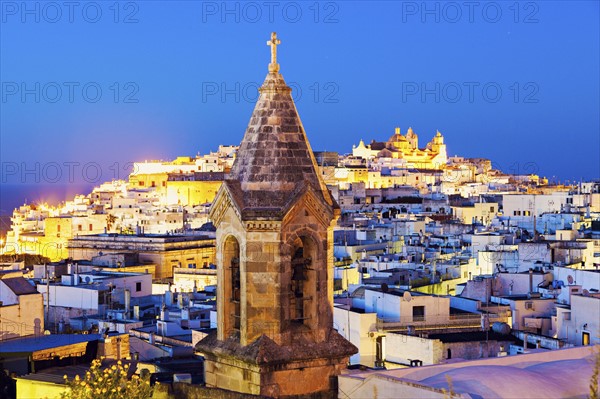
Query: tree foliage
<point x="108" y="383"/>
<point x="29" y="259"/>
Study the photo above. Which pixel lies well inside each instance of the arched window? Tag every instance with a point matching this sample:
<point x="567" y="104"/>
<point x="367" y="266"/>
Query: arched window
<point x="303" y="282"/>
<point x="300" y="265"/>
<point x="231" y="265"/>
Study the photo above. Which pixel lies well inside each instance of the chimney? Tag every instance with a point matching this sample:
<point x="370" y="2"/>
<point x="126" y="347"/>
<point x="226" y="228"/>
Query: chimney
<point x="127" y="302"/>
<point x="169" y="297"/>
<point x="530" y="281"/>
<point x="164" y="314"/>
<point x="76" y="276"/>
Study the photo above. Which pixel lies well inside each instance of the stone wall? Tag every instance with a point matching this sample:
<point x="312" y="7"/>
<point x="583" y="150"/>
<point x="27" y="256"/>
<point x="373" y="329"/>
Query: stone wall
<point x="401" y="348"/>
<point x="181" y="390"/>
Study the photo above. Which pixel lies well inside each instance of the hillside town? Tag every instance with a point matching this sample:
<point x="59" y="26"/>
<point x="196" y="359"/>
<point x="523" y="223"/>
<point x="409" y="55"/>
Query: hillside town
<point x="385" y="269"/>
<point x="436" y="258"/>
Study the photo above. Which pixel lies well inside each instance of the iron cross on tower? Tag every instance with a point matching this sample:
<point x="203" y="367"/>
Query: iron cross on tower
<point x="274" y="42"/>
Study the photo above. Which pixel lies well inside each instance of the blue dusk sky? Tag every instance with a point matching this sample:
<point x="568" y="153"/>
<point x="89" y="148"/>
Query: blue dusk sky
<point x="88" y="87"/>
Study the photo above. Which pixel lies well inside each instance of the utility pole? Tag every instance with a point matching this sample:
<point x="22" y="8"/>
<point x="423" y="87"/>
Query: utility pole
<point x="47" y="294"/>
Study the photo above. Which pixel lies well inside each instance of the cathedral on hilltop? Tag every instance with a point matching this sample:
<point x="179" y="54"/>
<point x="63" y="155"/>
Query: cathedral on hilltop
<point x="275" y="218"/>
<point x="406" y="148"/>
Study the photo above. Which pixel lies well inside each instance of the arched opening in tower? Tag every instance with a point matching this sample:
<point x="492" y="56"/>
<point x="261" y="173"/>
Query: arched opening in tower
<point x="231" y="265"/>
<point x="303" y="283"/>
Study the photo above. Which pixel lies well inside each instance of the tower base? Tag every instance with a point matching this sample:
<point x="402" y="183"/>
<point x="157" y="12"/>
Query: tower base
<point x="303" y="369"/>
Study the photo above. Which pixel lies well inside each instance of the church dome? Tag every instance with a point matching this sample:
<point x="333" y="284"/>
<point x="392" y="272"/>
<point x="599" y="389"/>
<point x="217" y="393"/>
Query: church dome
<point x="396" y="138"/>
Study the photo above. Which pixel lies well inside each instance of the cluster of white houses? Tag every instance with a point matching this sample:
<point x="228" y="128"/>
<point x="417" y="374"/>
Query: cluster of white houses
<point x="420" y="278"/>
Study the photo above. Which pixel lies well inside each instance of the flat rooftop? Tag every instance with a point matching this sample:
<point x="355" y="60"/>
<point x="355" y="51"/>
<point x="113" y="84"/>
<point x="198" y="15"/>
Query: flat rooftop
<point x="144" y="237"/>
<point x="42" y="342"/>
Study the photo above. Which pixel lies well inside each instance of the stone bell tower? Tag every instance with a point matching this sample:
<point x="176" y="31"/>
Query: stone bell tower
<point x="274" y="218"/>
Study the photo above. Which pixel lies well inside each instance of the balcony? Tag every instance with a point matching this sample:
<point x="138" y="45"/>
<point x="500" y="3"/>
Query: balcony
<point x="445" y="323"/>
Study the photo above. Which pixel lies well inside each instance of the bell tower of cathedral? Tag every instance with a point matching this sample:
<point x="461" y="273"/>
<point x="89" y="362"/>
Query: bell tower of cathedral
<point x="274" y="218"/>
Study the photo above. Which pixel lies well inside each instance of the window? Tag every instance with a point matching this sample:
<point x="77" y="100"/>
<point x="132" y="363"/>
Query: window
<point x="58" y="227"/>
<point x="141" y="183"/>
<point x="79" y="227"/>
<point x="138" y="286"/>
<point x="299" y="265"/>
<point x="418" y="313"/>
<point x="303" y="288"/>
<point x="91" y="227"/>
<point x="491" y="209"/>
<point x="233" y="286"/>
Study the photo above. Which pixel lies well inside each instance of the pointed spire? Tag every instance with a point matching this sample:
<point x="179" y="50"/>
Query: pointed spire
<point x="275" y="158"/>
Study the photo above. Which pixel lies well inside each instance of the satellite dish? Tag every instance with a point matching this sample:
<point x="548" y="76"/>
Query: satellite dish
<point x="407" y="296"/>
<point x="586" y="292"/>
<point x="570" y="279"/>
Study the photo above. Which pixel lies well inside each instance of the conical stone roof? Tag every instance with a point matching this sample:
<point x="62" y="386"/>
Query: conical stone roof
<point x="274" y="160"/>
